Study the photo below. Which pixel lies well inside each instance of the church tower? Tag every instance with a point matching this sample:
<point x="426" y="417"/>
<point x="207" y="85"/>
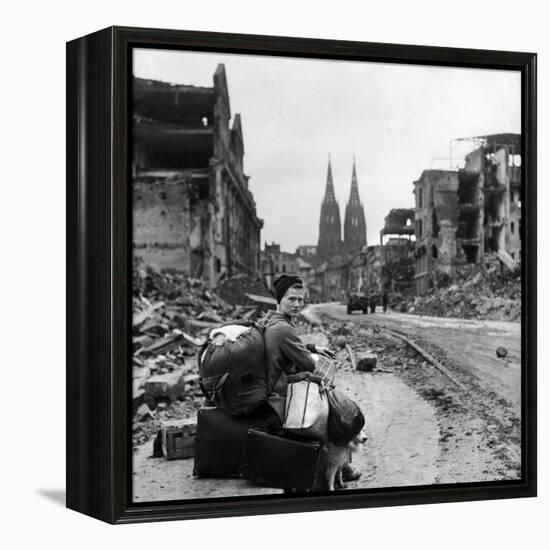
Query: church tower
<point x="355" y="227"/>
<point x="329" y="224"/>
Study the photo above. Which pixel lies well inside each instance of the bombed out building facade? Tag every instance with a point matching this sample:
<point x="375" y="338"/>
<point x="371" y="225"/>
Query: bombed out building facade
<point x="192" y="207"/>
<point x="467" y="216"/>
<point x="461" y="219"/>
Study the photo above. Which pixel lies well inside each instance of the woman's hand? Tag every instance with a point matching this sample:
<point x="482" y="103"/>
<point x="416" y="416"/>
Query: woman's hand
<point x="325" y="352"/>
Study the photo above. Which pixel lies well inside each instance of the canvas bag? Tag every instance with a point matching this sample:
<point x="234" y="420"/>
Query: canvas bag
<point x="306" y="410"/>
<point x="232" y="367"/>
<point x="345" y="419"/>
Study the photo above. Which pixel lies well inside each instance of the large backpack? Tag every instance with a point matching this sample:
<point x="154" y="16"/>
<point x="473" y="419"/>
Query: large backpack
<point x="232" y="370"/>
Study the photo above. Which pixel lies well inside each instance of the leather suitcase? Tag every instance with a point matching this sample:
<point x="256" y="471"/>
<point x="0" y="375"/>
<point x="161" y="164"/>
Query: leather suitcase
<point x="281" y="462"/>
<point x="220" y="440"/>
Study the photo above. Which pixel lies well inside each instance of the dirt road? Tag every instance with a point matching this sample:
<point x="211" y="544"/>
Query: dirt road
<point x="468" y="345"/>
<point x="402" y="431"/>
<point x="422" y="428"/>
<point x="480" y="423"/>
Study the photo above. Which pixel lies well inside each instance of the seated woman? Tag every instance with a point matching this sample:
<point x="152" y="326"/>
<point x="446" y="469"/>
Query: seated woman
<point x="286" y="354"/>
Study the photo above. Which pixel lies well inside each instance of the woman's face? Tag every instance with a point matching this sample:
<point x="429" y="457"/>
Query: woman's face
<point x="292" y="302"/>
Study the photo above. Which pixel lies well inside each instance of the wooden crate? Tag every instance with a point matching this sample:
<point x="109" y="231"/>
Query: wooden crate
<point x="178" y="438"/>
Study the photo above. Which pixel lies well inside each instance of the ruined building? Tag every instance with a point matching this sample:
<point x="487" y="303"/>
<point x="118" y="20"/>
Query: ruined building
<point x="436" y="217"/>
<point x="275" y="262"/>
<point x="355" y="227"/>
<point x="462" y="216"/>
<point x="490" y="187"/>
<point x="192" y="208"/>
<point x="307" y="252"/>
<point x="398" y="223"/>
<point x="329" y="223"/>
<point x="397" y="252"/>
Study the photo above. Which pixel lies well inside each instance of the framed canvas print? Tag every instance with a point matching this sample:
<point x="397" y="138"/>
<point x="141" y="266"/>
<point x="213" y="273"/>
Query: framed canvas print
<point x="301" y="274"/>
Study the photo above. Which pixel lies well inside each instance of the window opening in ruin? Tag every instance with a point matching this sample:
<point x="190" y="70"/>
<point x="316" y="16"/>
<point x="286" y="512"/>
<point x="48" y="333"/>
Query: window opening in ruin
<point x="470" y="251"/>
<point x="408" y="222"/>
<point x="420" y="228"/>
<point x="491" y="169"/>
<point x="494" y="208"/>
<point x="284" y="268"/>
<point x="435" y="225"/>
<point x="468" y="227"/>
<point x="512" y="227"/>
<point x="434" y="251"/>
<point x="420" y="198"/>
<point x="514" y="160"/>
<point x="467" y="188"/>
<point x="218" y="265"/>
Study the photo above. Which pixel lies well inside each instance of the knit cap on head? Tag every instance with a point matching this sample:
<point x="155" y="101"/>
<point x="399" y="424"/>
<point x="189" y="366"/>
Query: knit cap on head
<point x="283" y="283"/>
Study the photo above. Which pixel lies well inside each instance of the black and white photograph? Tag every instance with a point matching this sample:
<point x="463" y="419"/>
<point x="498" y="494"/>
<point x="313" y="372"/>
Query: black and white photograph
<point x="327" y="275"/>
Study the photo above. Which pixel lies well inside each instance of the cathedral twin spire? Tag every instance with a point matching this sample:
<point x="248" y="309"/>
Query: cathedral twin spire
<point x="355" y="230"/>
<point x="330" y="240"/>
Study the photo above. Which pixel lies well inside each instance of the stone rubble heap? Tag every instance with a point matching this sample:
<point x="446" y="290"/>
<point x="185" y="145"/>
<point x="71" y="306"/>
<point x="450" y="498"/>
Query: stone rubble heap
<point x="359" y="347"/>
<point x="172" y="316"/>
<point x="485" y="295"/>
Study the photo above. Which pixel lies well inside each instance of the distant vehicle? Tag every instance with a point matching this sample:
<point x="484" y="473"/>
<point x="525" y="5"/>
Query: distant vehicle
<point x="355" y="301"/>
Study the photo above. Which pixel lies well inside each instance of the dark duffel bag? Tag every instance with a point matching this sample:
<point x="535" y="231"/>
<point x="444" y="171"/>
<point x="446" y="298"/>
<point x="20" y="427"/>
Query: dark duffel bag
<point x="280" y="462"/>
<point x="221" y="437"/>
<point x="345" y="419"/>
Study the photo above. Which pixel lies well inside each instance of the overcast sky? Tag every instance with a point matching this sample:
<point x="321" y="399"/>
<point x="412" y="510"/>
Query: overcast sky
<point x="396" y="119"/>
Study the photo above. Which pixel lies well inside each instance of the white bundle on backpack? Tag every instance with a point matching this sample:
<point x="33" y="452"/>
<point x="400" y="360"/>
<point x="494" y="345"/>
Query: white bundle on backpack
<point x="306" y="410"/>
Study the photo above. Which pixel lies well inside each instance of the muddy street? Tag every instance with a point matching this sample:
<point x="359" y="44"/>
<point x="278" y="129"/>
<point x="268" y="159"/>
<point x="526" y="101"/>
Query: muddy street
<point x="469" y="346"/>
<point x="422" y="428"/>
<point x="479" y="419"/>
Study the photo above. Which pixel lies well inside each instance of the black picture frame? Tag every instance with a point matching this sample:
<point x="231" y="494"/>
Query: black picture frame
<point x="99" y="273"/>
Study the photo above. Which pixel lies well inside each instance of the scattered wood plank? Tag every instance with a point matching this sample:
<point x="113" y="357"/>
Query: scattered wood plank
<point x="351" y="357"/>
<point x="139" y="318"/>
<point x="202" y="324"/>
<point x="188" y="338"/>
<point x="163" y="345"/>
<point x="265" y="300"/>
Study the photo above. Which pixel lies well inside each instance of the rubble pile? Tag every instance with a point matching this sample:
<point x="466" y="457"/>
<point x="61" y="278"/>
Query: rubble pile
<point x="243" y="290"/>
<point x="360" y="348"/>
<point x="484" y="295"/>
<point x="172" y="315"/>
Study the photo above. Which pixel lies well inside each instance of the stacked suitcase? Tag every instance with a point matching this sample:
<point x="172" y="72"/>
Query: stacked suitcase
<point x="220" y="441"/>
<point x="229" y="446"/>
<point x="284" y="462"/>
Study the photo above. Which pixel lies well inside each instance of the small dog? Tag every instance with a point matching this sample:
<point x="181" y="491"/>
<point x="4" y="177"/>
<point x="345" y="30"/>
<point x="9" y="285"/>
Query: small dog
<point x="333" y="459"/>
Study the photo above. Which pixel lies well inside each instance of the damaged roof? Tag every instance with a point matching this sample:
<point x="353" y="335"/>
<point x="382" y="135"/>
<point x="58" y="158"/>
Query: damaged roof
<point x="507" y="139"/>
